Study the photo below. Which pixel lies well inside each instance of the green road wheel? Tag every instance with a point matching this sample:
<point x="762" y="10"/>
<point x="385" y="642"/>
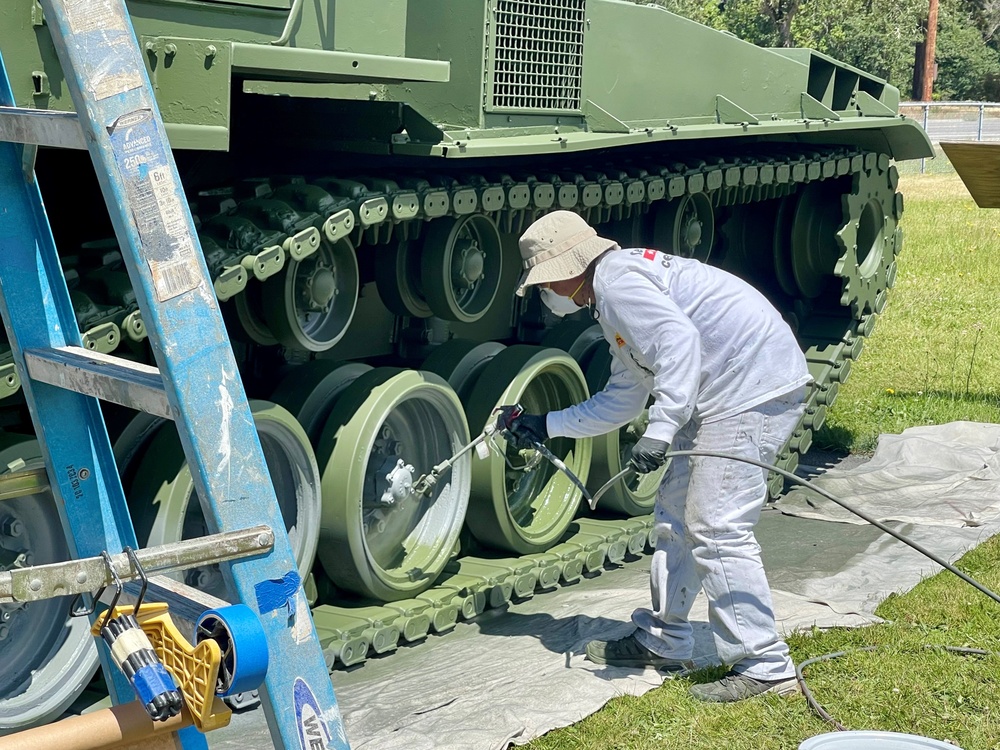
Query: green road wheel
<point x="686" y="227"/>
<point x="520" y="502"/>
<point x="814" y="237"/>
<point x="165" y="507"/>
<point x="311" y="304"/>
<point x="585" y="342"/>
<point x="578" y="338"/>
<point x="385" y="430"/>
<point x="746" y="241"/>
<point x="782" y="247"/>
<point x="250" y="313"/>
<point x="462" y="263"/>
<point x="460" y="362"/>
<point x="47" y="657"/>
<point x="397" y="278"/>
<point x="309" y="391"/>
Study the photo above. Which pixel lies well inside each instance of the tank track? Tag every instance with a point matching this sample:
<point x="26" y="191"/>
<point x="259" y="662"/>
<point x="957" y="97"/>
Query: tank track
<point x="251" y="230"/>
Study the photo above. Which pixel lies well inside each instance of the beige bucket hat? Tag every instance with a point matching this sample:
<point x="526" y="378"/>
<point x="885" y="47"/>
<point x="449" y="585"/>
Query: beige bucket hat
<point x="558" y="246"/>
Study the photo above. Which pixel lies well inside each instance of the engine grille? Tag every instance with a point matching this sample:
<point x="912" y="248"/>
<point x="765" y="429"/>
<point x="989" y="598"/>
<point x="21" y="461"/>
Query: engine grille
<point x="534" y="55"/>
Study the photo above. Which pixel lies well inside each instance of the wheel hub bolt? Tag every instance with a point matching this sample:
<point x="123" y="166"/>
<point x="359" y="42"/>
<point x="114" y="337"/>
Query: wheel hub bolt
<point x="197" y="578"/>
<point x="11" y="526"/>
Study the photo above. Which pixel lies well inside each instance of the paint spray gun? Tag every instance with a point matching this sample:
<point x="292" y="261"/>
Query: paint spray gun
<point x="500" y="419"/>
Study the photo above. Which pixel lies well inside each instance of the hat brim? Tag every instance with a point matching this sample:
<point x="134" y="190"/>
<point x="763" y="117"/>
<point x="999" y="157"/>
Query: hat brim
<point x="569" y="265"/>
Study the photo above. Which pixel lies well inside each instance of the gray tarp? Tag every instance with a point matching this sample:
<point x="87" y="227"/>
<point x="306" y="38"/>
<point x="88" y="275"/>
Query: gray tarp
<point x="515" y="674"/>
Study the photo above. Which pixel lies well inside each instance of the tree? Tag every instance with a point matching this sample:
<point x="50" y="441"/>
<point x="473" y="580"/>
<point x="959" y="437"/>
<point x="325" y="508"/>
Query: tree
<point x="781" y="13"/>
<point x="877" y="36"/>
<point x="966" y="65"/>
<point x="986" y="15"/>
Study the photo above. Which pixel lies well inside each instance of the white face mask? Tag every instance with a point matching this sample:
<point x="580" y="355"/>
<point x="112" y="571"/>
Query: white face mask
<point x="559" y="305"/>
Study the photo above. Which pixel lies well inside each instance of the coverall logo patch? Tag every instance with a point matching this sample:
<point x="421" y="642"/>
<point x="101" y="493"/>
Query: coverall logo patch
<point x="649" y="255"/>
<point x="619" y="340"/>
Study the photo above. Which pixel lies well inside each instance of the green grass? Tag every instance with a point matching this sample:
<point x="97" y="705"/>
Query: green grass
<point x="901" y="687"/>
<point x="934" y="358"/>
<point x="935" y="354"/>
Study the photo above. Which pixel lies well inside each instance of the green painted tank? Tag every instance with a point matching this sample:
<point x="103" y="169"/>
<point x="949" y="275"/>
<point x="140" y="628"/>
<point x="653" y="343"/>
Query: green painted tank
<point x="359" y="174"/>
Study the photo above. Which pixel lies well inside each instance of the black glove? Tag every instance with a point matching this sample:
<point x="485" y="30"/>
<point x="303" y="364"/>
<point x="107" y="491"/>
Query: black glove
<point x="649" y="454"/>
<point x="523" y="430"/>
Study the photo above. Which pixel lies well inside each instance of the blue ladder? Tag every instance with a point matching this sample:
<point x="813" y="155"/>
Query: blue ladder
<point x="197" y="383"/>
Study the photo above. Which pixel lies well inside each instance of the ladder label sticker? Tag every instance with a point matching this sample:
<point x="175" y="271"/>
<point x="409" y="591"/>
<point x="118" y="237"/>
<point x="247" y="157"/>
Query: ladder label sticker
<point x="106" y="21"/>
<point x="314" y="734"/>
<point x="109" y="85"/>
<point x="157" y="206"/>
<point x="94" y="15"/>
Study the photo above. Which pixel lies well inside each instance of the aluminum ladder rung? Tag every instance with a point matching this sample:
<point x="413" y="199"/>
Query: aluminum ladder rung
<point x="108" y="378"/>
<point x="38" y="127"/>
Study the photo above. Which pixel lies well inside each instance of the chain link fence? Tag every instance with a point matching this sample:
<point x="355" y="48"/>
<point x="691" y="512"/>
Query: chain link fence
<point x="950" y="121"/>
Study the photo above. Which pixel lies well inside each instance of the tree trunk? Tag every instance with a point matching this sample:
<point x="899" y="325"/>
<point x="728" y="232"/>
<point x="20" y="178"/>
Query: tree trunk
<point x="781" y="13"/>
<point x="927" y="79"/>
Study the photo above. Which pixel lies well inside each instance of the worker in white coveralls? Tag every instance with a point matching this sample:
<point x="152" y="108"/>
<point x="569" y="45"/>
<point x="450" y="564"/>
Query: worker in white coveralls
<point x="726" y="374"/>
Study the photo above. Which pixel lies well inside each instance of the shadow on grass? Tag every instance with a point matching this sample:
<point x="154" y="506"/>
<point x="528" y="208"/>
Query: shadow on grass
<point x="834" y="440"/>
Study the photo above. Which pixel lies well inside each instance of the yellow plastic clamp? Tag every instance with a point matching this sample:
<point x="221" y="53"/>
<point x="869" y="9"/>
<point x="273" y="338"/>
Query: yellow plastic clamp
<point x="194" y="668"/>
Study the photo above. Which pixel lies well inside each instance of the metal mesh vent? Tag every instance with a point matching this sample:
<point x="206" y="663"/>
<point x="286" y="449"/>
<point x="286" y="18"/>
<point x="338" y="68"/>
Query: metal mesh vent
<point x="537" y="54"/>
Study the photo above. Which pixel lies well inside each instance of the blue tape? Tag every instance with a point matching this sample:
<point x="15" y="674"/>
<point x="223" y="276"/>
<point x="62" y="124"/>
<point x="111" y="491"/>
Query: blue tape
<point x="248" y="656"/>
<point x="151" y="681"/>
<point x="277" y="592"/>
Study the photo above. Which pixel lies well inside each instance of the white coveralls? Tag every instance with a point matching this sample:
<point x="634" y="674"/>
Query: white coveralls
<point x="726" y="374"/>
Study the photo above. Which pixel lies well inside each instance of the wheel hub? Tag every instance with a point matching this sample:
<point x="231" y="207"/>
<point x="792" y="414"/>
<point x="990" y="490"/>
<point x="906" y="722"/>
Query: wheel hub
<point x="399" y="484"/>
<point x="320" y="288"/>
<point x="692" y="233"/>
<point x="7" y="618"/>
<point x="47" y="656"/>
<point x="470" y="263"/>
<point x="390" y="477"/>
<point x="13" y="553"/>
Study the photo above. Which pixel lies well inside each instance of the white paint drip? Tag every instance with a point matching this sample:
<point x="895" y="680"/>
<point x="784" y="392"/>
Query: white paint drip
<point x="302" y="622"/>
<point x="225" y="438"/>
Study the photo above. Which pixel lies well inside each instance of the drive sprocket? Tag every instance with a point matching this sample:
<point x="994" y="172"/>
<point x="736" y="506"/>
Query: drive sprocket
<point x="868" y="240"/>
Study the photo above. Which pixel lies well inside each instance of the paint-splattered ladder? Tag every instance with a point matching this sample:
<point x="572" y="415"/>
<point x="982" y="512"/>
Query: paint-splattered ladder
<point x="196" y="384"/>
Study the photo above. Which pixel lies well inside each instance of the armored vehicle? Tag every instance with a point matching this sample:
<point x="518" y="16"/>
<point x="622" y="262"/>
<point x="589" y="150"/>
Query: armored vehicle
<point x="359" y="174"/>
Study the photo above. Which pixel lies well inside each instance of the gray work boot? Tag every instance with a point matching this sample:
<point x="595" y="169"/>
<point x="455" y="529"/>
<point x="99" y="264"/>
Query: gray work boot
<point x="628" y="652"/>
<point x="736" y="687"/>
